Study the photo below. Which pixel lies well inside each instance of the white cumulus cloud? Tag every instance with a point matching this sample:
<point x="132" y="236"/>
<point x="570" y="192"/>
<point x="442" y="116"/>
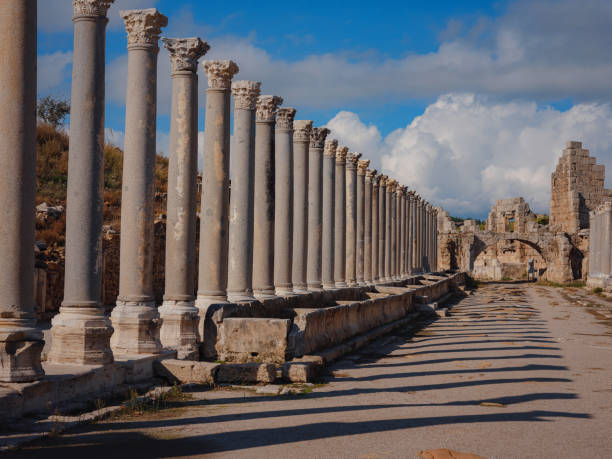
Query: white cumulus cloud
<point x="53" y="71"/>
<point x="466" y="151"/>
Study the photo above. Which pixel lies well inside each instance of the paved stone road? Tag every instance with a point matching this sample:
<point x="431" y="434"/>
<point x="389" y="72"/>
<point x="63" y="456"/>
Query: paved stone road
<point x="514" y="372"/>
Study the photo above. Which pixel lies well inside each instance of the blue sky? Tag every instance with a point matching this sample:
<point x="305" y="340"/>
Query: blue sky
<point x="402" y="82"/>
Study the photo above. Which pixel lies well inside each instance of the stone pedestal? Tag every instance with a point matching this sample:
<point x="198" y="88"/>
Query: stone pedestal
<point x="81" y="331"/>
<point x="340" y="219"/>
<point x="135" y="318"/>
<point x="263" y="225"/>
<point x="301" y="141"/>
<point x="178" y="312"/>
<point x="240" y="256"/>
<point x="283" y="201"/>
<point x="214" y="206"/>
<point x="20" y="342"/>
<point x="315" y="208"/>
<point x="351" y="219"/>
<point x="327" y="243"/>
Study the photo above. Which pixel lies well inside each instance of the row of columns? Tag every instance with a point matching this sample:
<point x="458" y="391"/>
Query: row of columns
<point x="304" y="213"/>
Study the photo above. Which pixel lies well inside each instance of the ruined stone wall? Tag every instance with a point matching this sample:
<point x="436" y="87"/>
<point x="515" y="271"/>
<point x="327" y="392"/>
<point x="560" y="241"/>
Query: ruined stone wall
<point x="510" y="215"/>
<point x="577" y="188"/>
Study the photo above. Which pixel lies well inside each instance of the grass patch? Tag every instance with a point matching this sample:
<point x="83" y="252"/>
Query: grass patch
<point x="575" y="284"/>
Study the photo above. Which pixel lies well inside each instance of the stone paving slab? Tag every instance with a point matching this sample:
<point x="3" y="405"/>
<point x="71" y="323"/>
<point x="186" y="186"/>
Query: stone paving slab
<point x="512" y="371"/>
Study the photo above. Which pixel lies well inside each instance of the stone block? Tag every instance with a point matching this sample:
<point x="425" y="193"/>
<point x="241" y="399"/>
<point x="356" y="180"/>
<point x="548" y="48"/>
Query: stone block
<point x="184" y="372"/>
<point x="245" y="373"/>
<point x="254" y="340"/>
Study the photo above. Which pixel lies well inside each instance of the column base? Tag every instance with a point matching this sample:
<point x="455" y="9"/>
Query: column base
<point x="136" y="325"/>
<point x="362" y="283"/>
<point x="20" y="349"/>
<point x="329" y="286"/>
<point x="179" y="329"/>
<point x="264" y="294"/>
<point x="300" y="289"/>
<point x="315" y="287"/>
<point x="81" y="336"/>
<point x="341" y="284"/>
<point x="240" y="297"/>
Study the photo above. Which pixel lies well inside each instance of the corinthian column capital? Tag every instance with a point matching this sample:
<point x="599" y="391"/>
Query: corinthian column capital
<point x="143" y="27"/>
<point x="362" y="166"/>
<point x="91" y="8"/>
<point x="341" y="153"/>
<point x="331" y="146"/>
<point x="185" y="52"/>
<point x="383" y="180"/>
<point x="370" y="175"/>
<point x="266" y="107"/>
<point x="353" y="158"/>
<point x="220" y="73"/>
<point x="284" y="117"/>
<point x="317" y="137"/>
<point x="245" y="94"/>
<point x="301" y="130"/>
<point x="376" y="179"/>
<point x="391" y="184"/>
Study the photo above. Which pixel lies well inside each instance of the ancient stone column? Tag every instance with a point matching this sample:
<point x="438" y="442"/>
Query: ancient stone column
<point x="410" y="199"/>
<point x="605" y="245"/>
<point x="135" y="318"/>
<point x="394" y="232"/>
<point x="428" y="236"/>
<point x="367" y="227"/>
<point x="327" y="244"/>
<point x="20" y="341"/>
<point x="417" y="236"/>
<point x="283" y="201"/>
<point x="362" y="167"/>
<point x="240" y="250"/>
<point x="178" y="312"/>
<point x="351" y="219"/>
<point x="340" y="219"/>
<point x="301" y="141"/>
<point x="81" y="331"/>
<point x="593" y="256"/>
<point x="214" y="204"/>
<point x="389" y="224"/>
<point x="315" y="208"/>
<point x="435" y="240"/>
<point x="374" y="235"/>
<point x="263" y="224"/>
<point x="382" y="228"/>
<point x="402" y="233"/>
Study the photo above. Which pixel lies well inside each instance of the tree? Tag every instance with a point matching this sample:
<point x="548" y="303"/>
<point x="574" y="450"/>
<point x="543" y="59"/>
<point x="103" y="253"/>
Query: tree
<point x="53" y="111"/>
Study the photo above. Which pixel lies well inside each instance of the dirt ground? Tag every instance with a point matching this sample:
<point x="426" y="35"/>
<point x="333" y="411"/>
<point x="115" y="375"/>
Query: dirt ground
<point x="515" y="371"/>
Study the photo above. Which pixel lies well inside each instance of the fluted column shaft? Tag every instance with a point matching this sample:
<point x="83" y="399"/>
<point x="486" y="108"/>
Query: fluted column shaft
<point x="283" y="201"/>
<point x="82" y="319"/>
<point x="428" y="237"/>
<point x="367" y="230"/>
<point x="351" y="219"/>
<point x="394" y="234"/>
<point x="340" y="219"/>
<point x="374" y="237"/>
<point x="315" y="208"/>
<point x="382" y="228"/>
<point x="214" y="206"/>
<point x="135" y="318"/>
<point x="178" y="313"/>
<point x="389" y="221"/>
<point x="402" y="234"/>
<point x="417" y="236"/>
<point x="410" y="267"/>
<point x="362" y="168"/>
<point x="328" y="249"/>
<point x="301" y="142"/>
<point x="20" y="342"/>
<point x="240" y="249"/>
<point x="263" y="224"/>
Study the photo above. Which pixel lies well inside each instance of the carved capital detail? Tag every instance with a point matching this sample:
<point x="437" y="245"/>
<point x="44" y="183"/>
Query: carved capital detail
<point x="317" y="137"/>
<point x="245" y="94"/>
<point x="353" y="158"/>
<point x="284" y="117"/>
<point x="301" y="130"/>
<point x="144" y="26"/>
<point x="266" y="107"/>
<point x="220" y="73"/>
<point x="362" y="166"/>
<point x="91" y="8"/>
<point x="391" y="184"/>
<point x="370" y="175"/>
<point x="383" y="180"/>
<point x="376" y="179"/>
<point x="185" y="53"/>
<point x="330" y="148"/>
<point x="341" y="153"/>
